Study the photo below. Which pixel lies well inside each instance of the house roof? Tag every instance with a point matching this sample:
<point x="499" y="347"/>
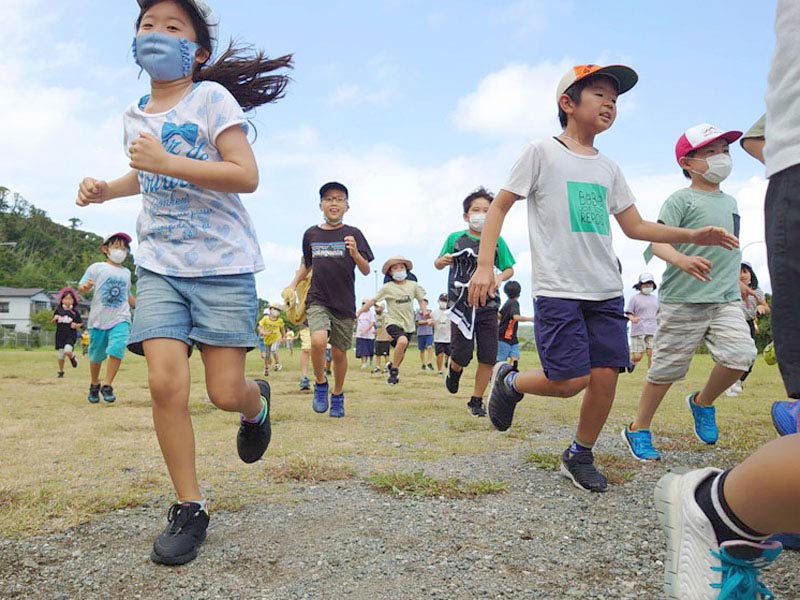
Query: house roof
<point x="19" y="292"/>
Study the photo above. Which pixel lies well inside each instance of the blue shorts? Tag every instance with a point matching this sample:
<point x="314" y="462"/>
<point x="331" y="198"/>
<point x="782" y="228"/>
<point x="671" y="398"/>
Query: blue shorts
<point x="424" y="341"/>
<point x="506" y="351"/>
<point x="108" y="342"/>
<point x="575" y="336"/>
<point x="365" y="347"/>
<point x="219" y="310"/>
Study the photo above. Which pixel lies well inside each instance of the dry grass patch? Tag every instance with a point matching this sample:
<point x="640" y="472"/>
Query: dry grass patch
<point x="301" y="468"/>
<point x="417" y="484"/>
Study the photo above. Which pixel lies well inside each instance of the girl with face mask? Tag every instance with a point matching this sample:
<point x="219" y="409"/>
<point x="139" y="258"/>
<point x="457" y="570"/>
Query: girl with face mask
<point x="198" y="252"/>
<point x="641" y="312"/>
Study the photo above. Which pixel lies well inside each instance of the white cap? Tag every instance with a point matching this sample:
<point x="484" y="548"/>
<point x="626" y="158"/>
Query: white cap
<point x="205" y="12"/>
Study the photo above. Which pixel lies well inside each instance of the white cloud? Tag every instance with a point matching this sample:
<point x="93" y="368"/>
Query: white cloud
<point x="518" y="100"/>
<point x="380" y="89"/>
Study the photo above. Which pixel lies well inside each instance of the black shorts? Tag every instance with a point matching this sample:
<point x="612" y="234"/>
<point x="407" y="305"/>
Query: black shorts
<point x="397" y="332"/>
<point x="485" y="332"/>
<point x="441" y="348"/>
<point x="782" y="222"/>
<point x="382" y="348"/>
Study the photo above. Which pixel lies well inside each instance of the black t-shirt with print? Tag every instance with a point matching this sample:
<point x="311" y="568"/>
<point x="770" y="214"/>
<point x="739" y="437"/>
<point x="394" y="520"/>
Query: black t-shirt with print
<point x="65" y="334"/>
<point x="333" y="280"/>
<point x="508" y="326"/>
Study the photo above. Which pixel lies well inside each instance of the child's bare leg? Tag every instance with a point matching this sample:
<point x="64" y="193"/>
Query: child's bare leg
<point x="227" y="386"/>
<point x="636" y="357"/>
<point x="60" y="364"/>
<point x="319" y="339"/>
<point x="482" y="376"/>
<point x="536" y="382"/>
<point x="649" y="357"/>
<point x="763" y="490"/>
<point x="304" y="356"/>
<point x="399" y="351"/>
<point x="649" y="401"/>
<point x="168" y="375"/>
<point x="721" y="379"/>
<point x="596" y="405"/>
<point x="439" y="361"/>
<point x="339" y="360"/>
<point x="94" y="372"/>
<point x="112" y="367"/>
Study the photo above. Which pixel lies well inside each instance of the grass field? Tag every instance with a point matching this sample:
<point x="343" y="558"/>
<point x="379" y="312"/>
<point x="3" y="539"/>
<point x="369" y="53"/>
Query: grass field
<point x="66" y="461"/>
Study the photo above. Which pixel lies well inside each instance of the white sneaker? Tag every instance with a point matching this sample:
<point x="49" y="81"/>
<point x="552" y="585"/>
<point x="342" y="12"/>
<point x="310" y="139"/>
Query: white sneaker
<point x="696" y="567"/>
<point x="734" y="390"/>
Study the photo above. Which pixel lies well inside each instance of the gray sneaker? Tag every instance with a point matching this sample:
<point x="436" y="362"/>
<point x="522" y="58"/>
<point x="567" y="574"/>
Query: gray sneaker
<point x="503" y="398"/>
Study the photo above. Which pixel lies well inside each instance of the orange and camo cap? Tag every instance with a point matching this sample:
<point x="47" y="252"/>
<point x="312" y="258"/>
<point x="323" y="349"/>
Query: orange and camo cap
<point x="625" y="77"/>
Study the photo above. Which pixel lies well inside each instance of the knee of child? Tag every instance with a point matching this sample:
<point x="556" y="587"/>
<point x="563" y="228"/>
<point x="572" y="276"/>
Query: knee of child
<point x="568" y="388"/>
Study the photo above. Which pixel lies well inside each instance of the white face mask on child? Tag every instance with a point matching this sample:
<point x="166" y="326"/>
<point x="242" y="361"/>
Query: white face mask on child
<point x="476" y="221"/>
<point x="647" y="290"/>
<point x="117" y="255"/>
<point x="719" y="167"/>
<point x="399" y="275"/>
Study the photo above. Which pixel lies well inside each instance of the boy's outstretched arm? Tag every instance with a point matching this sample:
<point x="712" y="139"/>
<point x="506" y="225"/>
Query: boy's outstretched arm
<point x="637" y="228"/>
<point x="365" y="307"/>
<point x="482" y="283"/>
<point x="97" y="191"/>
<point x="696" y="266"/>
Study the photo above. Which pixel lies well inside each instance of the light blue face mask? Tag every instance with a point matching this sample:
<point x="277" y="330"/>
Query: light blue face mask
<point x="164" y="57"/>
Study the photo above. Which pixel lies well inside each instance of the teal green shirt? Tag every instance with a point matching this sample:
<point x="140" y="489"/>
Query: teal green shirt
<point x="694" y="209"/>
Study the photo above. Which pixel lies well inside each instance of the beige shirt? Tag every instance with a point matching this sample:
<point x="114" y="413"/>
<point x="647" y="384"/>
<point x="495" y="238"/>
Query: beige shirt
<point x="400" y="303"/>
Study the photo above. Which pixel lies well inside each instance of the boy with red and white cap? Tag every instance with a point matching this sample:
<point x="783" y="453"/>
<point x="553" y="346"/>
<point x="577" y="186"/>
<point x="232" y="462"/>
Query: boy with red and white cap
<point x="581" y="332"/>
<point x="110" y="313"/>
<point x="699" y="296"/>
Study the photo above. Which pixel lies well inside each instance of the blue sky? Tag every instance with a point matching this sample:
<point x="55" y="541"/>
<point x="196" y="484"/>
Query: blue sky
<point x="411" y="104"/>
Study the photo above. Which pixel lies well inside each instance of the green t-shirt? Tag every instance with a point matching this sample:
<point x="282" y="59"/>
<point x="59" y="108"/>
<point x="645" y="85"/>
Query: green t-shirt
<point x="400" y="303"/>
<point x="694" y="209"/>
<point x="756" y="130"/>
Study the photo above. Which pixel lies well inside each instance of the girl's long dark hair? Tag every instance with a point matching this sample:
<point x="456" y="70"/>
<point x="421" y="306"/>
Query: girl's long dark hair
<point x="246" y="73"/>
<point x="753" y="278"/>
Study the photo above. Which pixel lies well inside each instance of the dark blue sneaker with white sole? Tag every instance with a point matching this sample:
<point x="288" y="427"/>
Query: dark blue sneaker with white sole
<point x="503" y="398"/>
<point x="320" y="401"/>
<point x="185" y="531"/>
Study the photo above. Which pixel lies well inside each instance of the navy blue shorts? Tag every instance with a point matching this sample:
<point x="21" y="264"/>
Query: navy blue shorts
<point x="365" y="347"/>
<point x="575" y="336"/>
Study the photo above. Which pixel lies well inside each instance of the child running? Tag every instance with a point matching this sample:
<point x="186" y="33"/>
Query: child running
<point x="399" y="292"/>
<point x="109" y="314"/>
<point x="580" y="327"/>
<point x="753" y="305"/>
<point x="441" y="333"/>
<point x="472" y="326"/>
<point x="68" y="320"/>
<point x="273" y="331"/>
<point x="198" y="251"/>
<point x="510" y="318"/>
<point x="641" y="312"/>
<point x="699" y="297"/>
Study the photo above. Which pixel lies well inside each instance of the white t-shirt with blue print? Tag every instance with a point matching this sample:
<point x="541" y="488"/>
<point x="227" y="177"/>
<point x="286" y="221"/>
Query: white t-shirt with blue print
<point x="184" y="230"/>
<point x="112" y="287"/>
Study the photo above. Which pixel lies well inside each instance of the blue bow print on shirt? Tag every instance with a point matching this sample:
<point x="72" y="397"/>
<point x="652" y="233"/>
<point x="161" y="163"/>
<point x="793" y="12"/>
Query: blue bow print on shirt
<point x="187" y="131"/>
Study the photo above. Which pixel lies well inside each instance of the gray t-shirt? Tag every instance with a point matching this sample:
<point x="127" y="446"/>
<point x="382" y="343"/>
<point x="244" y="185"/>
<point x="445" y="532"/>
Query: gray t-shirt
<point x="570" y="197"/>
<point x="112" y="288"/>
<point x="782" y="149"/>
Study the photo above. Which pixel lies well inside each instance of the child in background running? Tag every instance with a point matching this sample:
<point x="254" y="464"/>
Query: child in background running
<point x="68" y="320"/>
<point x="273" y="331"/>
<point x="425" y="336"/>
<point x="441" y="333"/>
<point x="753" y="306"/>
<point x="510" y="318"/>
<point x="641" y="312"/>
<point x="198" y="250"/>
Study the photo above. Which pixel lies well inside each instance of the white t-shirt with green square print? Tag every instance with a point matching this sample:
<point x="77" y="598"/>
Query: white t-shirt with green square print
<point x="570" y="197"/>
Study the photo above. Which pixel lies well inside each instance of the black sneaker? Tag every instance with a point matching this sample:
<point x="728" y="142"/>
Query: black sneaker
<point x="394" y="376"/>
<point x="451" y="380"/>
<point x="60" y="374"/>
<point x="73" y="361"/>
<point x="108" y="393"/>
<point x="579" y="467"/>
<point x="253" y="438"/>
<point x="475" y="406"/>
<point x="502" y="397"/>
<point x="186" y="530"/>
<point x="430" y="367"/>
<point x="94" y="393"/>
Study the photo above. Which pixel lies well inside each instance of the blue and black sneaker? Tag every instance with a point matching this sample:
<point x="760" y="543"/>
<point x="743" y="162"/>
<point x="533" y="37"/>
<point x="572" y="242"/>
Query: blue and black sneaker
<point x="185" y="531"/>
<point x="253" y="438"/>
<point x="108" y="394"/>
<point x="503" y="398"/>
<point x="320" y="400"/>
<point x="705" y="421"/>
<point x="94" y="393"/>
<point x="785" y="415"/>
<point x="337" y="405"/>
<point x="305" y="384"/>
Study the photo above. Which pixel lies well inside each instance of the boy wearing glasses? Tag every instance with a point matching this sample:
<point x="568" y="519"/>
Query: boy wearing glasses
<point x="332" y="250"/>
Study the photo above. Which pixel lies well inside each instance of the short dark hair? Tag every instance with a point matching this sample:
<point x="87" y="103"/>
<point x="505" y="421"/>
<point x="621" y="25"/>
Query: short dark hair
<point x="481" y="192"/>
<point x="114" y="238"/>
<point x="574" y="93"/>
<point x="333" y="185"/>
<point x="689" y="154"/>
<point x="512" y="289"/>
<point x="753" y="278"/>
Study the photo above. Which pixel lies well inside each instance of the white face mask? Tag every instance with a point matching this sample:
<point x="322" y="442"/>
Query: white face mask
<point x="399" y="275"/>
<point x="333" y="222"/>
<point x="476" y="221"/>
<point x="443" y="305"/>
<point x="117" y="255"/>
<point x="719" y="167"/>
<point x="647" y="290"/>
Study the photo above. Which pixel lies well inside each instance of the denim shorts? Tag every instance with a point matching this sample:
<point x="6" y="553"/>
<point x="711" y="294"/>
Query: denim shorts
<point x="575" y="336"/>
<point x="506" y="351"/>
<point x="219" y="310"/>
<point x="108" y="342"/>
<point x="424" y="341"/>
